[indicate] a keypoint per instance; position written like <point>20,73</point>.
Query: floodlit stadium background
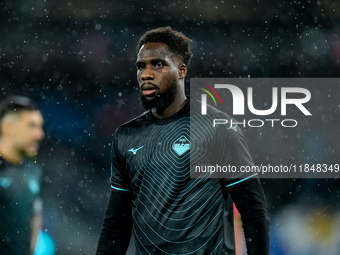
<point>76,59</point>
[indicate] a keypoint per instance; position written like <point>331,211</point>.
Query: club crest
<point>181,145</point>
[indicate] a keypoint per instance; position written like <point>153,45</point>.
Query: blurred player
<point>20,179</point>
<point>152,191</point>
<point>239,235</point>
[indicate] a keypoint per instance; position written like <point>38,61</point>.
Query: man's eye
<point>159,65</point>
<point>140,67</point>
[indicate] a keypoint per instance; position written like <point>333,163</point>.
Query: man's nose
<point>148,74</point>
<point>40,134</point>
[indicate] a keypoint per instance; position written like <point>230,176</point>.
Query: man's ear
<point>182,71</point>
<point>6,127</point>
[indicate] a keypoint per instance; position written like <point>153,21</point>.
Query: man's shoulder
<point>140,119</point>
<point>211,111</point>
<point>136,122</point>
<point>214,120</point>
<point>29,166</point>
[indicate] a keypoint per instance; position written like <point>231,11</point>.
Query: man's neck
<point>9,154</point>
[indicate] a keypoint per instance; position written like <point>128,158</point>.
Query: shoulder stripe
<point>119,188</point>
<point>234,183</point>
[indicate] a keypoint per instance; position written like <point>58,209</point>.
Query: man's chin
<point>147,102</point>
<point>159,101</point>
<point>149,98</point>
<point>31,154</point>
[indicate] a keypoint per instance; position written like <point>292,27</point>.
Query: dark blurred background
<point>76,58</point>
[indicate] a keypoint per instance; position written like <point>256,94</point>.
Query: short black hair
<point>177,42</point>
<point>16,104</point>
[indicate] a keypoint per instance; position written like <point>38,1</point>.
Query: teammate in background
<point>152,192</point>
<point>239,235</point>
<point>20,179</point>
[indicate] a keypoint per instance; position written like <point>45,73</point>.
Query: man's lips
<point>148,92</point>
<point>34,146</point>
<point>148,89</point>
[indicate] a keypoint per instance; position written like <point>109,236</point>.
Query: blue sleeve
<point>116,230</point>
<point>119,171</point>
<point>250,201</point>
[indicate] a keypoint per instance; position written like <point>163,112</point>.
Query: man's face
<point>26,132</point>
<point>157,75</point>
